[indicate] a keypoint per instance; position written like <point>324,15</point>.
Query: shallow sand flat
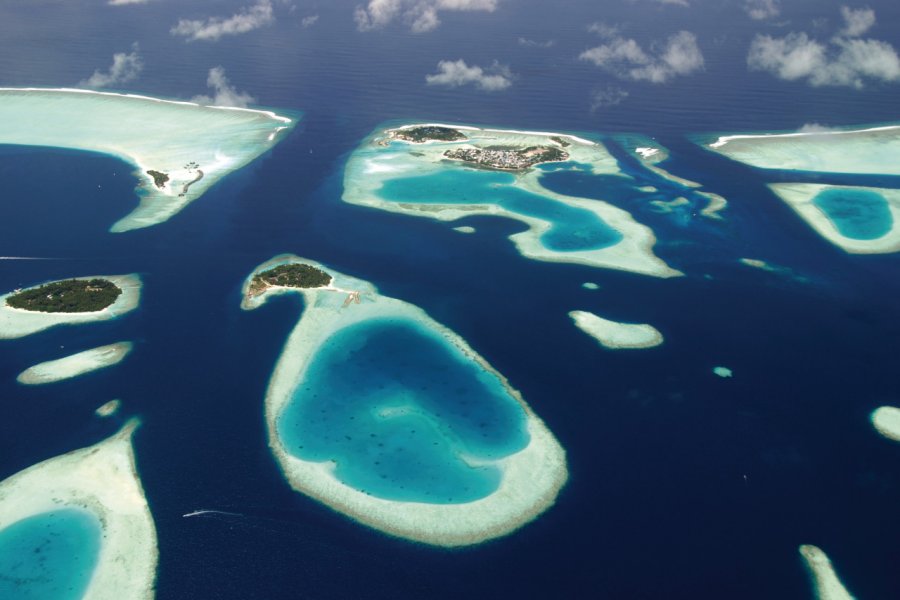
<point>75,364</point>
<point>149,133</point>
<point>103,480</point>
<point>615,335</point>
<point>531,478</point>
<point>16,323</point>
<point>865,151</point>
<point>799,196</point>
<point>886,421</point>
<point>372,164</point>
<point>825,580</point>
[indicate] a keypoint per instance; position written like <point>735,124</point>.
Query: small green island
<point>427,133</point>
<point>507,158</point>
<point>294,275</point>
<point>159,178</point>
<point>67,296</point>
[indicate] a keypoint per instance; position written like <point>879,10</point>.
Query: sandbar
<point>194,146</point>
<point>75,364</point>
<point>381,158</point>
<point>615,335</point>
<point>108,409</point>
<point>531,478</point>
<point>16,323</point>
<point>103,480</point>
<point>800,196</point>
<point>825,580</point>
<point>886,421</point>
<point>863,151</point>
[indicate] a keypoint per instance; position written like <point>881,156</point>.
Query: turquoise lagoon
<point>856,214</point>
<point>404,415</point>
<point>571,228</point>
<point>49,556</point>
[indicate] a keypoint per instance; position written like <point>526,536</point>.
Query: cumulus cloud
<point>845,60</point>
<point>457,73</point>
<point>857,22</point>
<point>309,21</point>
<point>606,97</point>
<point>420,15</point>
<point>760,10</point>
<point>815,128</point>
<point>248,19</point>
<point>125,67</point>
<point>625,58</point>
<point>225,94</point>
<point>124,2</point>
<point>678,2</point>
<point>535,43</point>
<point>605,31</point>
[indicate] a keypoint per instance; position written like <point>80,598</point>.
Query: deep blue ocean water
<point>49,556</point>
<point>401,413</point>
<point>682,484</point>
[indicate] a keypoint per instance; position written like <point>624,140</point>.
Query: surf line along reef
<point>390,418</point>
<point>78,526</point>
<point>180,149</point>
<point>450,172</point>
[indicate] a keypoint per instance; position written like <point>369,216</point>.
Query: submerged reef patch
<point>93,497</point>
<point>179,149</point>
<point>499,172</point>
<point>825,581</point>
<point>383,414</point>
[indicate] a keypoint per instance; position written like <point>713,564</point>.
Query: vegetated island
<point>165,141</point>
<point>291,275</point>
<point>98,485</point>
<point>67,296</point>
<point>530,477</point>
<point>507,158</point>
<point>427,133</point>
<point>19,322</point>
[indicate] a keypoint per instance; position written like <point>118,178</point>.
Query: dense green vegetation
<point>159,178</point>
<point>68,296</point>
<point>560,141</point>
<point>429,132</point>
<point>294,275</point>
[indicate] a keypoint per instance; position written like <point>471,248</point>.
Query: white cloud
<point>678,2</point>
<point>309,21</point>
<point>607,32</point>
<point>420,15</point>
<point>608,96</point>
<point>679,55</point>
<point>536,44</point>
<point>759,10</point>
<point>225,93</point>
<point>843,61</point>
<point>456,73</point>
<point>125,68</point>
<point>124,2</point>
<point>250,18</point>
<point>857,22</point>
<point>815,128</point>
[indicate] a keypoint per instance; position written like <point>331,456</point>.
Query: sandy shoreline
<point>75,365</point>
<point>615,335</point>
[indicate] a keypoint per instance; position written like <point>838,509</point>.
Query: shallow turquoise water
<point>50,556</point>
<point>857,214</point>
<point>572,229</point>
<point>397,408</point>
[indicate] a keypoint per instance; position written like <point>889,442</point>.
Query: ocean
<point>681,484</point>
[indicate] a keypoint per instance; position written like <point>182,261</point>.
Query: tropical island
<point>427,133</point>
<point>67,296</point>
<point>292,275</point>
<point>159,178</point>
<point>507,158</point>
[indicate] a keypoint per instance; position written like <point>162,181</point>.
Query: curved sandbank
<point>103,480</point>
<point>615,335</point>
<point>825,580</point>
<point>177,139</point>
<point>108,409</point>
<point>886,421</point>
<point>863,151</point>
<point>16,323</point>
<point>75,364</point>
<point>381,159</point>
<point>802,198</point>
<point>530,479</point>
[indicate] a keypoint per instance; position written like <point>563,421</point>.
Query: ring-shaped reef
<point>18,322</point>
<point>423,170</point>
<point>180,149</point>
<point>859,220</point>
<point>78,526</point>
<point>385,415</point>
